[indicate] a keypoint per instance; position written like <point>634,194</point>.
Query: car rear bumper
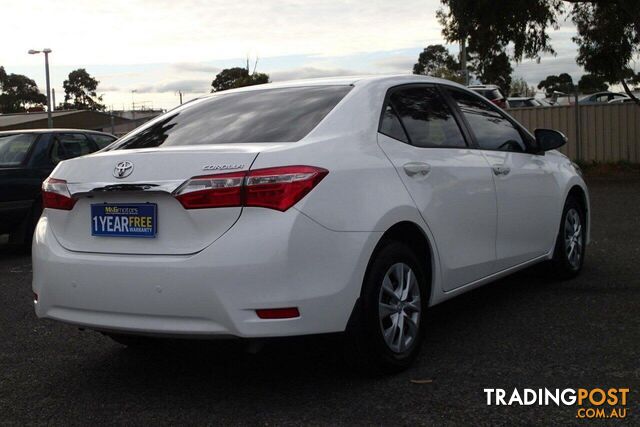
<point>268,259</point>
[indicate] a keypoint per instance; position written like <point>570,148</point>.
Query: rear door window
<point>426,117</point>
<point>66,146</point>
<point>14,148</point>
<point>269,115</point>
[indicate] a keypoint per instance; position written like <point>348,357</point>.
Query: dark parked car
<point>27,157</point>
<point>492,93</point>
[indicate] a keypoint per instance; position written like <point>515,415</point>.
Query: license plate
<point>124,220</point>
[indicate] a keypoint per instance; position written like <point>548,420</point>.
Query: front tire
<point>569,252</point>
<point>385,332</point>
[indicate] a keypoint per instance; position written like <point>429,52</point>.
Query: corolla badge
<point>123,169</point>
<point>222,167</point>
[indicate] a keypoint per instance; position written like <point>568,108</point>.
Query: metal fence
<point>606,132</point>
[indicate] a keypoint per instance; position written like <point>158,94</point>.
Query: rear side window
<point>426,117</point>
<point>14,148</point>
<point>270,115</point>
<point>69,145</point>
<point>390,125</point>
<point>492,130</point>
<point>102,140</point>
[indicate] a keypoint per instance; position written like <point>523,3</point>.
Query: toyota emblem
<point>123,169</point>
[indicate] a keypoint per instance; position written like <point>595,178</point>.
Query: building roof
<point>18,118</point>
<point>74,119</point>
<point>58,130</point>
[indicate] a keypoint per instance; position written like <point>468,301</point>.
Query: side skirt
<point>445,295</point>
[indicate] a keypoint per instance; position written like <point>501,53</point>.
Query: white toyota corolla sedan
<point>335,205</point>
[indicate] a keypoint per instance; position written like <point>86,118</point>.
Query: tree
<point>488,29</point>
<point>608,38</point>
<point>3,76</point>
<point>608,30</point>
<point>494,70</point>
<point>80,89</point>
<point>436,61</point>
<point>18,92</point>
<point>520,87</point>
<point>590,83</point>
<point>231,78</point>
<point>433,58</point>
<point>562,83</point>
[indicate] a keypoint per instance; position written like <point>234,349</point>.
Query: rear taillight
<point>55,195</point>
<point>280,188</point>
<point>274,188</point>
<point>212,191</point>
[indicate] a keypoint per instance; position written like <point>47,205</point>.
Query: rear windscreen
<point>14,148</point>
<point>270,115</point>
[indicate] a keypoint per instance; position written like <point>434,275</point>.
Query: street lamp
<point>46,52</point>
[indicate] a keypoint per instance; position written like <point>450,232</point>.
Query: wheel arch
<point>580,194</point>
<point>416,238</point>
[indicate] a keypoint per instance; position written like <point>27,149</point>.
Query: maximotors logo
<point>594,403</point>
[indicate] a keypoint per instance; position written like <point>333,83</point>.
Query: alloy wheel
<point>573,241</point>
<point>399,307</point>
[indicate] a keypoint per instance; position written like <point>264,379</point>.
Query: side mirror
<point>549,139</point>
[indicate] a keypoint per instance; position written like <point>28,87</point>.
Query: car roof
<point>54,130</point>
<point>395,79</point>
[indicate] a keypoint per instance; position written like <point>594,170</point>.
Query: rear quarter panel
<point>362,192</point>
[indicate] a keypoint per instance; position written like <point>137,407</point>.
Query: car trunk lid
<point>147,177</point>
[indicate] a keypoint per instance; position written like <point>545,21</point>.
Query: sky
<point>144,51</point>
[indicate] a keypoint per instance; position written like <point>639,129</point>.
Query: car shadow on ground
<point>188,364</point>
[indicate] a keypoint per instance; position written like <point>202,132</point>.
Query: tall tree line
<point>19,93</point>
<point>607,33</point>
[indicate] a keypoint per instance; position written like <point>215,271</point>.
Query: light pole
<point>46,52</point>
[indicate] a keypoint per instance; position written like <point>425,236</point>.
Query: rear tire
<point>569,252</point>
<point>385,331</point>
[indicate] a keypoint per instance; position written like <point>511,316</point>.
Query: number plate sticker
<point>124,220</point>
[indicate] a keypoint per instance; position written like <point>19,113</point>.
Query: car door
<point>19,183</point>
<point>450,183</point>
<point>527,193</point>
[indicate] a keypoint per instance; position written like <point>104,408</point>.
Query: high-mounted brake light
<point>55,195</point>
<point>276,188</point>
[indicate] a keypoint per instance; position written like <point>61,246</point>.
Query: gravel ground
<point>524,331</point>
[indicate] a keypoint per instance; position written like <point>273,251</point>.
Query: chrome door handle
<point>417,169</point>
<point>501,170</point>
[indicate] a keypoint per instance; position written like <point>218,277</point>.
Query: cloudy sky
<point>157,47</point>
